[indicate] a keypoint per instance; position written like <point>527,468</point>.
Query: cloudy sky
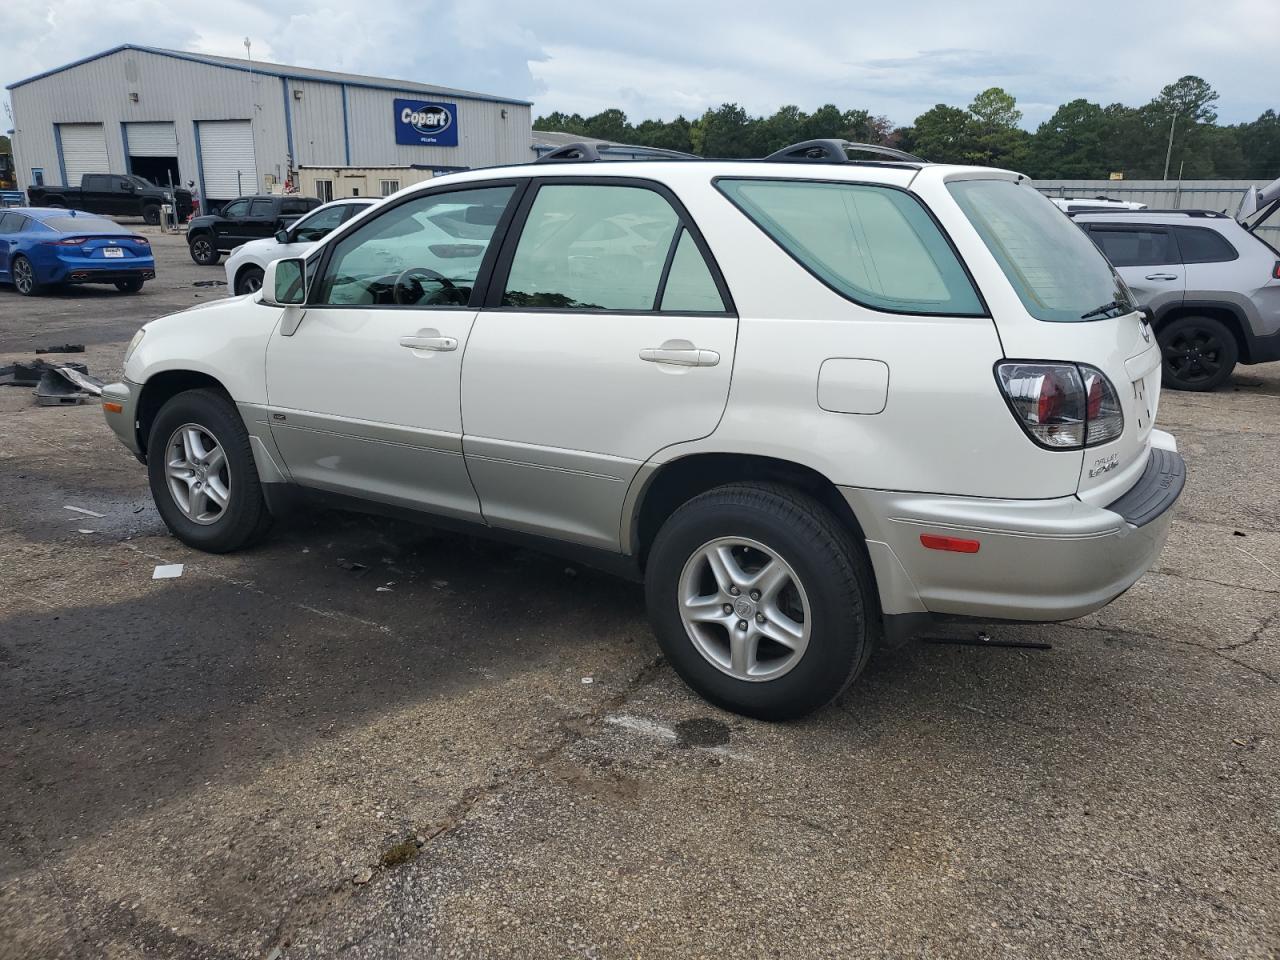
<point>663,57</point>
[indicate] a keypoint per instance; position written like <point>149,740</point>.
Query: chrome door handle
<point>438,344</point>
<point>1162,276</point>
<point>680,356</point>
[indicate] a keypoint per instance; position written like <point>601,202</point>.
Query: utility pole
<point>253,113</point>
<point>1168,153</point>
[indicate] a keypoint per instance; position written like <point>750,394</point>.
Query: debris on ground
<point>79,377</point>
<point>588,680</point>
<point>210,283</point>
<point>362,876</point>
<point>86,531</point>
<point>87,513</point>
<point>54,390</point>
<point>166,571</point>
<point>1237,533</point>
<point>24,374</point>
<point>63,348</point>
<point>984,640</point>
<point>353,565</point>
<point>402,852</point>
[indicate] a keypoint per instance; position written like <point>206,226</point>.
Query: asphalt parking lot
<point>272,757</point>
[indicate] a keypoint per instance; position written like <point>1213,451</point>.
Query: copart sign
<point>426,123</point>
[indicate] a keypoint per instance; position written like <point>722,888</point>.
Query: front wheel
<point>761,600</point>
<point>203,251</point>
<point>24,276</point>
<point>203,479</point>
<point>129,286</point>
<point>1199,353</point>
<point>151,215</point>
<point>249,280</point>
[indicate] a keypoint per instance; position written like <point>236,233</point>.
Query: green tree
<point>995,137</point>
<point>610,125</point>
<point>723,132</point>
<point>1070,144</point>
<point>1260,147</point>
<point>943,134</point>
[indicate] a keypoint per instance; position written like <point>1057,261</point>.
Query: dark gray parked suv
<point>1213,287</point>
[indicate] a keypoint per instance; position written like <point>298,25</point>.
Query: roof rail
<point>574,153</point>
<point>1120,212</point>
<point>836,151</point>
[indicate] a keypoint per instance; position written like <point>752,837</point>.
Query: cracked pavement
<point>205,767</point>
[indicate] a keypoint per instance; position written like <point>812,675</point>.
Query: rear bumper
<point>123,421</point>
<point>1038,560</point>
<point>98,270</point>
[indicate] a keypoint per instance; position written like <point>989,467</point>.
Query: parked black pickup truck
<point>114,194</point>
<point>249,218</point>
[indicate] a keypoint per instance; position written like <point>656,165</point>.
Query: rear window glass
<point>85,225</point>
<point>1202,245</point>
<point>874,245</point>
<point>1057,272</point>
<point>1135,246</point>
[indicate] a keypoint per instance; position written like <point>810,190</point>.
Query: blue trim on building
<point>204,194</point>
<point>124,141</point>
<point>288,121</point>
<point>210,62</point>
<point>346,127</point>
<point>62,161</point>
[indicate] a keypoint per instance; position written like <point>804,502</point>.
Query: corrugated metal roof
<point>285,70</point>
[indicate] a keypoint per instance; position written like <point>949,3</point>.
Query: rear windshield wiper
<point>1105,309</point>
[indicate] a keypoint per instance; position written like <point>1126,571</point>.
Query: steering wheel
<point>400,289</point>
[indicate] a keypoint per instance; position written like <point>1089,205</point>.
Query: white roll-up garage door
<point>226,159</point>
<point>152,139</point>
<point>84,150</point>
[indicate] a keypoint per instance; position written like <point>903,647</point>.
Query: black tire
<point>23,275</point>
<point>249,280</point>
<point>151,214</point>
<point>1199,353</point>
<point>246,519</point>
<point>826,560</point>
<point>203,250</point>
<point>129,286</point>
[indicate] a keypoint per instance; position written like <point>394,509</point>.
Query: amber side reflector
<point>954,544</point>
<point>110,407</point>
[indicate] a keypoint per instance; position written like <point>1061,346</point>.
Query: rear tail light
<point>142,240</point>
<point>1062,406</point>
<point>1275,271</point>
<point>71,241</point>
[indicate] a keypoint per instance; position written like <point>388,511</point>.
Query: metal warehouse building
<point>239,126</point>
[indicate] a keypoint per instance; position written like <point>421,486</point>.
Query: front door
<point>363,393</point>
<point>1146,256</point>
<point>228,227</point>
<point>606,336</point>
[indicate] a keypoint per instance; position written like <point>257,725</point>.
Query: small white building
<point>235,126</point>
<point>330,183</point>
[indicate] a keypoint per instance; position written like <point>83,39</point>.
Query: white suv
<point>812,402</point>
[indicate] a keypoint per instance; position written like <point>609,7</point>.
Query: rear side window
<point>1056,271</point>
<point>260,208</point>
<point>293,206</point>
<point>1202,245</point>
<point>874,245</point>
<point>1135,246</point>
<point>604,247</point>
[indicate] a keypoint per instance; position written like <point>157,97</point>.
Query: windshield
<point>86,225</point>
<point>1057,272</point>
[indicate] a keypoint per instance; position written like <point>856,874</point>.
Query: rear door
<point>1147,257</point>
<point>10,226</point>
<point>607,335</point>
<point>260,221</point>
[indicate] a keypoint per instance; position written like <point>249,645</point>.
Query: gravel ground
<point>269,757</point>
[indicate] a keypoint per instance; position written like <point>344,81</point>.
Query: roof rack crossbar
<point>574,153</point>
<point>836,151</point>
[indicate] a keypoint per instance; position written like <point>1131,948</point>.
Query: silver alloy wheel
<point>23,278</point>
<point>198,474</point>
<point>203,249</point>
<point>251,282</point>
<point>744,608</point>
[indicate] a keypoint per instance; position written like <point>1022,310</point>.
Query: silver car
<point>1211,282</point>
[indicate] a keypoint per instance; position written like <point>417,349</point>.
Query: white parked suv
<point>813,402</point>
<point>248,262</point>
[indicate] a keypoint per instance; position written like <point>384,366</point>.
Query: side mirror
<point>284,284</point>
<point>282,235</point>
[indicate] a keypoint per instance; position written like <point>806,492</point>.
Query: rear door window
<point>874,245</point>
<point>1136,246</point>
<point>261,208</point>
<point>1202,245</point>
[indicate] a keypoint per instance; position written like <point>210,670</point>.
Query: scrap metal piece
<point>54,390</point>
<point>63,348</point>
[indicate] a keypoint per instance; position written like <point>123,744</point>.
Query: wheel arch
<point>666,486</point>
<point>1229,314</point>
<point>162,387</point>
<point>242,270</point>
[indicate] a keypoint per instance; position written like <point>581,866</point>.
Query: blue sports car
<point>42,247</point>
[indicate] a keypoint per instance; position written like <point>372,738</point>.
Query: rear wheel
<point>761,600</point>
<point>24,276</point>
<point>129,286</point>
<point>151,214</point>
<point>1199,353</point>
<point>249,280</point>
<point>203,251</point>
<point>203,480</point>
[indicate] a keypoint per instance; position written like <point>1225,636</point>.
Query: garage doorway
<point>83,149</point>
<point>227,163</point>
<point>152,149</point>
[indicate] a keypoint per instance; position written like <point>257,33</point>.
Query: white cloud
<point>663,57</point>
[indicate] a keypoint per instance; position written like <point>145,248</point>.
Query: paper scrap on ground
<point>166,571</point>
<point>82,530</point>
<point>87,513</point>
